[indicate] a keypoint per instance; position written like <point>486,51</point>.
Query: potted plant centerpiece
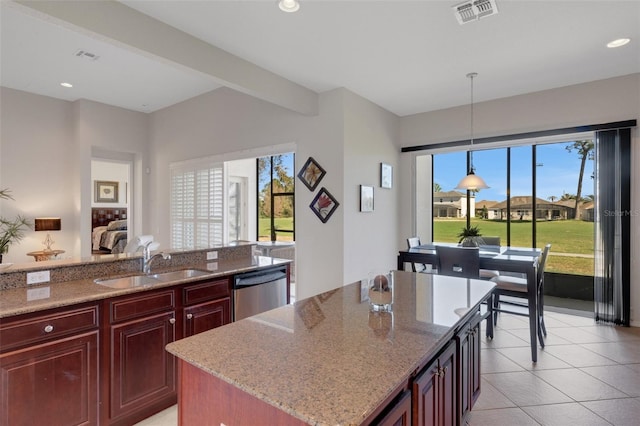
<point>11,231</point>
<point>470,237</point>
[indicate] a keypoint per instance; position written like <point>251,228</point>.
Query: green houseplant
<point>11,231</point>
<point>470,236</point>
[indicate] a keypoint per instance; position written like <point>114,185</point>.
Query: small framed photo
<point>323,205</point>
<point>311,174</point>
<point>366,198</point>
<point>105,191</point>
<point>386,176</point>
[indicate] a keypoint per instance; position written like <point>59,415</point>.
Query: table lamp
<point>48,224</point>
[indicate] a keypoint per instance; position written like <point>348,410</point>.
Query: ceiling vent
<point>86,55</point>
<point>474,10</point>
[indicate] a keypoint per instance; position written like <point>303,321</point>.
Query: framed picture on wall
<point>366,198</point>
<point>386,176</point>
<point>106,191</point>
<point>311,174</point>
<point>323,205</point>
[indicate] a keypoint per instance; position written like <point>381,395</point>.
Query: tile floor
<point>588,374</point>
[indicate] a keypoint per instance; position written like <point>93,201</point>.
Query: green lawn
<point>264,228</point>
<point>565,236</point>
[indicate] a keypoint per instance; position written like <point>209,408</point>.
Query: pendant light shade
<point>289,5</point>
<point>472,182</point>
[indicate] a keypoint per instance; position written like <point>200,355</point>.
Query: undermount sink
<point>128,282</point>
<point>149,280</point>
<point>180,275</point>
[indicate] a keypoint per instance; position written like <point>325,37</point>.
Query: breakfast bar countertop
<point>33,298</point>
<point>329,360</point>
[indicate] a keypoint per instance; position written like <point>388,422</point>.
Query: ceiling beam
<point>127,28</point>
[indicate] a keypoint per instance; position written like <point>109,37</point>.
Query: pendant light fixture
<point>472,182</point>
<point>289,5</point>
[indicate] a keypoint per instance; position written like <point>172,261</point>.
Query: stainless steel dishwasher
<point>259,291</point>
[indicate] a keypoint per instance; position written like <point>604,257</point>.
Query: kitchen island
<point>329,360</point>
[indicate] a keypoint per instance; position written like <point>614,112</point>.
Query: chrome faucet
<point>148,259</point>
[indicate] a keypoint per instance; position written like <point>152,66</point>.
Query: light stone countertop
<point>328,360</point>
<point>35,298</point>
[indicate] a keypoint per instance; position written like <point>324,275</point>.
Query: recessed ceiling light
<point>619,42</point>
<point>66,84</point>
<point>289,5</point>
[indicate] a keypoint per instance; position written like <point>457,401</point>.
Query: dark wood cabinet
<point>207,306</point>
<point>434,391</point>
<point>400,412</point>
<point>206,316</point>
<point>468,368</point>
<point>49,368</point>
<point>142,374</point>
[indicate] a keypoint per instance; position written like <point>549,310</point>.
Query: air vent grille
<point>474,10</point>
<point>86,55</point>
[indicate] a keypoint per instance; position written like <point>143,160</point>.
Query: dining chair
<point>517,287</point>
<point>490,241</point>
<point>459,261</point>
<point>416,267</point>
<point>487,274</point>
<point>464,262</point>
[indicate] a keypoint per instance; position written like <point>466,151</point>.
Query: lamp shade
<point>472,182</point>
<point>48,224</point>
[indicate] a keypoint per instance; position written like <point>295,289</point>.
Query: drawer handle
<point>48,328</point>
<point>172,321</point>
<point>189,316</point>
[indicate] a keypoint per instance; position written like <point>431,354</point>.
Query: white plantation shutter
<point>197,205</point>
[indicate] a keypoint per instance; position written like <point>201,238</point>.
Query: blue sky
<point>557,171</point>
<point>287,164</point>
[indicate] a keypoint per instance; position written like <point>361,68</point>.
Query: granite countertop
<point>35,298</point>
<point>328,360</point>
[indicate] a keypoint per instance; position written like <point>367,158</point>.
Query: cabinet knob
<point>48,329</point>
<point>172,321</point>
<point>189,316</point>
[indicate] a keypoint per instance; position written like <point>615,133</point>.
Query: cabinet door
<point>435,391</point>
<point>142,371</point>
<point>448,389</point>
<point>464,377</point>
<point>425,394</point>
<point>51,384</point>
<point>474,363</point>
<point>206,316</point>
<point>400,414</point>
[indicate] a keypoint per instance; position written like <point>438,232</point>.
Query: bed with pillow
<point>109,230</point>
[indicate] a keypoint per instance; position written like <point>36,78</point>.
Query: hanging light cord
<point>471,75</point>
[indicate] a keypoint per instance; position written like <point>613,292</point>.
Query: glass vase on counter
<point>381,292</point>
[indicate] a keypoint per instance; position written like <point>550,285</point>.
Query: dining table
<point>523,260</point>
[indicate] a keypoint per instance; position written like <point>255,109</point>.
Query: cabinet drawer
<point>203,292</point>
<point>144,304</point>
<point>44,327</point>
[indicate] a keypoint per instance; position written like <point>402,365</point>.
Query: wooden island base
<point>330,360</point>
<point>199,403</point>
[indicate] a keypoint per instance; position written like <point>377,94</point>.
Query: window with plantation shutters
<point>197,205</point>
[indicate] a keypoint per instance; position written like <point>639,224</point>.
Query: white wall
<point>46,149</point>
<point>38,166</point>
<point>371,136</point>
<point>224,121</point>
<point>347,127</point>
<point>111,172</point>
<point>115,132</point>
<point>604,101</point>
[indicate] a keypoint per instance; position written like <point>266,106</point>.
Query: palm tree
<point>585,151</point>
<point>437,187</point>
<point>552,198</point>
